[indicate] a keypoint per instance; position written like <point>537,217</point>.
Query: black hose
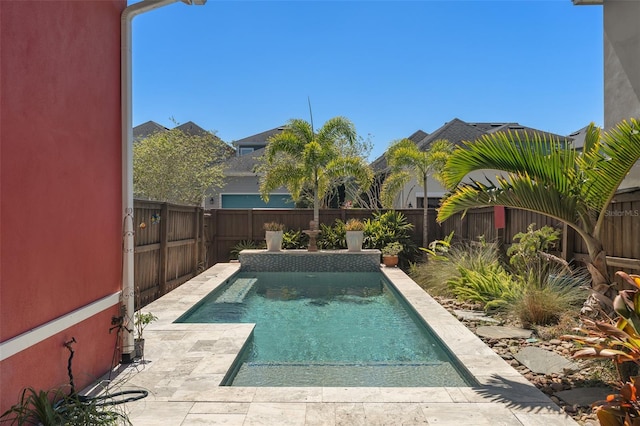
<point>107,399</point>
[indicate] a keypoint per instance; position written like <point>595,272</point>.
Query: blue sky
<point>392,67</point>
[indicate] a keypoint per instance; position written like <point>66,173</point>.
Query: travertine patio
<point>186,362</point>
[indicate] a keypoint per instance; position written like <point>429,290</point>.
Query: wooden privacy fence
<point>227,227</point>
<point>169,247</point>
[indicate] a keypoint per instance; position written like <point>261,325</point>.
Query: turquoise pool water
<point>327,329</point>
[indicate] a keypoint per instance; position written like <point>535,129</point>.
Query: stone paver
<point>473,316</point>
<point>542,361</point>
<point>584,396</point>
<point>503,332</point>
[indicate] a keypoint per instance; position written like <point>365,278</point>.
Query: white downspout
<point>128,289</point>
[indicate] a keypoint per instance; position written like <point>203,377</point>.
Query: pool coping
<point>185,364</point>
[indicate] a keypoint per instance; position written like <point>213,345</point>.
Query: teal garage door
<point>253,201</point>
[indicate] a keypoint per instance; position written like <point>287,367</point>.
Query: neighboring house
<point>621,45</point>
<point>455,131</point>
<point>242,183</point>
<point>149,128</point>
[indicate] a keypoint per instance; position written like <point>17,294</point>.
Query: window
<point>246,150</point>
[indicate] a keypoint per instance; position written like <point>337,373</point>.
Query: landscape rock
<point>584,396</point>
<point>503,332</point>
<point>543,361</point>
<point>474,316</point>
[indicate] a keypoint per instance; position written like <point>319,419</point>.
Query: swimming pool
<point>327,329</point>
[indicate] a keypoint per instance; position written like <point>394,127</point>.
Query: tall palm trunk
<point>425,213</point>
<point>597,266</point>
<point>316,203</point>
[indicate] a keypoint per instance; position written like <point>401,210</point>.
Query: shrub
<point>528,245</point>
<point>549,290</point>
<point>447,274</point>
<point>438,249</point>
<point>388,227</point>
<point>332,238</point>
<point>244,245</point>
<point>55,407</point>
<point>294,239</point>
<point>493,287</point>
<point>434,275</point>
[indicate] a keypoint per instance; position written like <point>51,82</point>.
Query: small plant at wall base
<point>141,322</point>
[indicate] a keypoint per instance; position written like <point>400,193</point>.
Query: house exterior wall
<point>60,177</point>
<point>621,61</point>
<point>622,68</point>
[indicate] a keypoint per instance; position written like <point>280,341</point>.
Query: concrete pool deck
<point>186,362</point>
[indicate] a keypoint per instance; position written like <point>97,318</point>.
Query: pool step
<point>416,374</point>
<point>237,291</point>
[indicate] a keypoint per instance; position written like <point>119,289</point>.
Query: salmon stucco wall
<point>60,177</point>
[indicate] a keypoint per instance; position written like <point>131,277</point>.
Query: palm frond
<point>350,168</point>
<point>392,185</point>
<point>621,149</point>
<point>541,157</point>
<point>337,129</point>
<point>519,191</point>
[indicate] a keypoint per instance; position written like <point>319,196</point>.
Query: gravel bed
<point>592,373</point>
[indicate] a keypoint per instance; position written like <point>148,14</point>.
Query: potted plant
<point>140,322</point>
<point>273,235</point>
<point>390,253</point>
<point>354,234</point>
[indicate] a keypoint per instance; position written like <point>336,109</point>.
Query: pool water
<point>327,329</point>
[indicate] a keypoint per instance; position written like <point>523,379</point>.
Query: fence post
<point>164,251</point>
<point>196,231</point>
<point>203,252</point>
<point>213,233</point>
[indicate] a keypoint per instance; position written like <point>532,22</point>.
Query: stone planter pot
<point>354,240</point>
<point>274,240</point>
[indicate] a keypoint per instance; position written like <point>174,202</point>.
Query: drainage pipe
<point>128,289</point>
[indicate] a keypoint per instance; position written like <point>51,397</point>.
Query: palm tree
<point>300,158</point>
<point>572,186</point>
<point>406,161</point>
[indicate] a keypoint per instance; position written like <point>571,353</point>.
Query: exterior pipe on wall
<point>128,289</point>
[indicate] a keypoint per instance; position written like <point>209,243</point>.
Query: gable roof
<point>259,138</point>
<point>244,164</point>
<point>455,131</point>
<point>147,129</point>
<point>192,129</point>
